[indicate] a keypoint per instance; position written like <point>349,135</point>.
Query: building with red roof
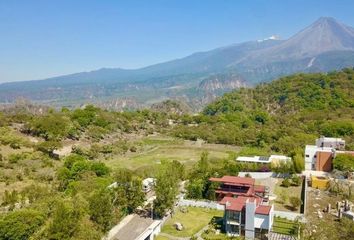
<point>238,186</point>
<point>246,207</point>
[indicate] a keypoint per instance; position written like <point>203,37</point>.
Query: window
<point>307,155</point>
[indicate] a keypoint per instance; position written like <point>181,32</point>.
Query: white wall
<point>250,220</point>
<point>310,151</point>
<point>198,203</point>
<point>257,175</point>
<point>261,221</point>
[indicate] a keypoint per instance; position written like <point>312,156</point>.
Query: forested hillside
<point>280,116</point>
<point>55,165</point>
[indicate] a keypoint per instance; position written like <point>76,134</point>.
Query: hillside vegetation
<point>49,195</point>
<point>281,116</point>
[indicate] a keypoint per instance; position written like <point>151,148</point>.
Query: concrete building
<point>247,212</point>
<point>319,158</point>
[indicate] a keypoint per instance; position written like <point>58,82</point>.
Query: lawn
<point>154,150</point>
<point>193,221</point>
<point>161,238</point>
<point>284,226</point>
<point>292,191</point>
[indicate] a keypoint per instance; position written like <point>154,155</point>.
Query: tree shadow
<point>290,208</point>
<point>217,223</point>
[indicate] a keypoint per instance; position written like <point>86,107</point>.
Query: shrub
<point>21,224</point>
<point>344,162</point>
<point>296,180</point>
<point>295,202</point>
<point>286,183</point>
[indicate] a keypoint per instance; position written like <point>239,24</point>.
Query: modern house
<point>274,159</point>
<point>231,186</point>
<point>319,157</point>
<point>247,212</point>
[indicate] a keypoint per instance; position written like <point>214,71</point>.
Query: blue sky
<point>45,38</point>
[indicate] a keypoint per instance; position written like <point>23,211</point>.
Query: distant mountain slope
<point>280,116</point>
<point>291,94</point>
<point>324,45</point>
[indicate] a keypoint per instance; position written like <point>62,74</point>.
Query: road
<point>133,229</point>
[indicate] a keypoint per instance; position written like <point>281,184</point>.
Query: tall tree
<point>166,188</point>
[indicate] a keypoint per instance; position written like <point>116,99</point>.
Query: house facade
<point>247,212</point>
<point>319,158</point>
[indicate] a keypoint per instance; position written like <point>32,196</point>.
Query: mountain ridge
<point>324,45</point>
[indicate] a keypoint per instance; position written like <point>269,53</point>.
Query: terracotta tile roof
<point>263,209</point>
<point>234,180</point>
<point>237,204</point>
<point>259,188</point>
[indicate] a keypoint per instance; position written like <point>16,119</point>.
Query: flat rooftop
<point>262,159</point>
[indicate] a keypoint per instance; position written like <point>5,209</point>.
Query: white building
<point>261,159</point>
<point>319,157</point>
<point>336,143</point>
<point>249,215</point>
<point>312,156</point>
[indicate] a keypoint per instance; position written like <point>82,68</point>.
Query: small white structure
<point>326,142</point>
<point>261,159</point>
<point>148,184</point>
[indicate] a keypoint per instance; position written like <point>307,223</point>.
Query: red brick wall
<point>324,161</point>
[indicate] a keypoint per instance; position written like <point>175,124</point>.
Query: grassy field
<point>153,150</point>
<point>193,221</point>
<point>292,191</point>
<point>161,238</point>
<point>284,226</point>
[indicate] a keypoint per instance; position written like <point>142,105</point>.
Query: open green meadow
<point>154,150</point>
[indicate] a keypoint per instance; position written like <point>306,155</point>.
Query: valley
<point>63,160</point>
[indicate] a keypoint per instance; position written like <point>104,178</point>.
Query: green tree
<point>53,126</point>
<point>20,225</point>
<point>195,189</point>
<point>101,208</point>
<point>166,189</point>
<point>64,222</point>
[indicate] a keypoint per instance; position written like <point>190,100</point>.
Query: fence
<point>203,204</point>
<point>303,195</point>
<point>257,175</point>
